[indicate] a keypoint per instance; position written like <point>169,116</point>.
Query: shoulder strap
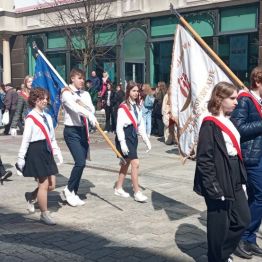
<point>39,124</point>
<point>257,105</point>
<point>127,111</point>
<point>227,131</point>
<point>24,95</point>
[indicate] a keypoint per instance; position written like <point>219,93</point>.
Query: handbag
<point>5,118</point>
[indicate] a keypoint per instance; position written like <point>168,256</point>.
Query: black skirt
<point>131,142</point>
<point>39,162</point>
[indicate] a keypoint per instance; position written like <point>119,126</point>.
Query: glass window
<point>162,56</point>
<point>56,40</point>
<point>58,60</point>
<point>237,19</point>
<point>241,57</point>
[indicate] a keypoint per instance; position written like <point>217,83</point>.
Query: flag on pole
<point>46,78</point>
<point>192,79</point>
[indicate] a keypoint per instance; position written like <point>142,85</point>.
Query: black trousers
<point>226,222</point>
<point>110,119</point>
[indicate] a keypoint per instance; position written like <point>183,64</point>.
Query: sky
<point>25,3</point>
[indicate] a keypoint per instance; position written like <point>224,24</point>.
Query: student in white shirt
<point>37,151</point>
<point>78,109</point>
<point>129,125</point>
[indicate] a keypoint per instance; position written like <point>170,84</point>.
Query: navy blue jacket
<point>248,122</point>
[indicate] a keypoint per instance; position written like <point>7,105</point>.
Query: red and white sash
<point>227,131</point>
<point>257,105</point>
<point>39,124</point>
<point>24,95</point>
<point>127,111</point>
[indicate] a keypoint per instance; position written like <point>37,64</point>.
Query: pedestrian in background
<point>2,105</point>
<point>22,108</point>
<point>95,87</point>
<point>247,118</point>
<point>160,92</point>
<point>168,120</point>
<point>118,99</point>
<point>147,107</point>
<point>109,98</point>
<point>37,151</point>
<point>10,102</point>
<point>219,175</point>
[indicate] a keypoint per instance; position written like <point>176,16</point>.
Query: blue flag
<point>45,78</point>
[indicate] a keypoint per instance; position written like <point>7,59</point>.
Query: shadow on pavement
<point>174,209</point>
<point>24,239</point>
<point>192,241</point>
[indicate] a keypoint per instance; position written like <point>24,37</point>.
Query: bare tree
<point>85,23</point>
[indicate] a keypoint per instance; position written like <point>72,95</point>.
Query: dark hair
<point>77,71</point>
<point>129,87</point>
<point>37,93</point>
<point>255,77</point>
<point>221,91</point>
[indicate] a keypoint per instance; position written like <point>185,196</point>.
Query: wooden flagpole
<point>217,59</point>
<point>122,160</point>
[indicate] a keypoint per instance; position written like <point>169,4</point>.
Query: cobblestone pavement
<point>169,227</point>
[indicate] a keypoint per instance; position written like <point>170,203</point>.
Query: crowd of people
<point>228,170</point>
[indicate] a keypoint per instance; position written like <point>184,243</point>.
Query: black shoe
<point>242,250</point>
<point>7,174</point>
<point>255,249</point>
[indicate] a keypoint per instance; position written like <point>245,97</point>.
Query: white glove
<point>59,157</point>
<point>124,148</point>
<point>92,119</point>
<point>13,132</point>
<point>148,144</point>
<point>21,163</point>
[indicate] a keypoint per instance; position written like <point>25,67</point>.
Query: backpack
<point>149,101</point>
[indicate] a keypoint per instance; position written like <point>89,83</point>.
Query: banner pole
<point>122,160</point>
<point>217,59</point>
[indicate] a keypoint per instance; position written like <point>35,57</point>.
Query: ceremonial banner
<point>193,76</point>
<point>46,78</point>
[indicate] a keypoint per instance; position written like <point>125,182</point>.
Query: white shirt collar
<point>255,95</point>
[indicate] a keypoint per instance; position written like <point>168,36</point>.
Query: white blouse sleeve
<point>142,130</point>
<point>52,136</point>
<point>121,115</point>
<point>27,135</point>
<point>68,101</point>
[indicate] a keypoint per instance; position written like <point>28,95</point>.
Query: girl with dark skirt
<point>37,151</point>
<point>220,174</point>
<point>129,125</point>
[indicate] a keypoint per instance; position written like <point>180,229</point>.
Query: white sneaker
<point>70,197</point>
<point>121,192</point>
<point>30,202</point>
<point>46,218</point>
<point>79,202</point>
<point>140,197</point>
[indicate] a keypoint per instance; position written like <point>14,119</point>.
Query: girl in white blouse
<point>129,125</point>
<point>37,151</point>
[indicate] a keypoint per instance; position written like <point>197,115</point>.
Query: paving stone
<point>171,226</point>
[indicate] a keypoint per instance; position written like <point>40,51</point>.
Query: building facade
<point>141,38</point>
